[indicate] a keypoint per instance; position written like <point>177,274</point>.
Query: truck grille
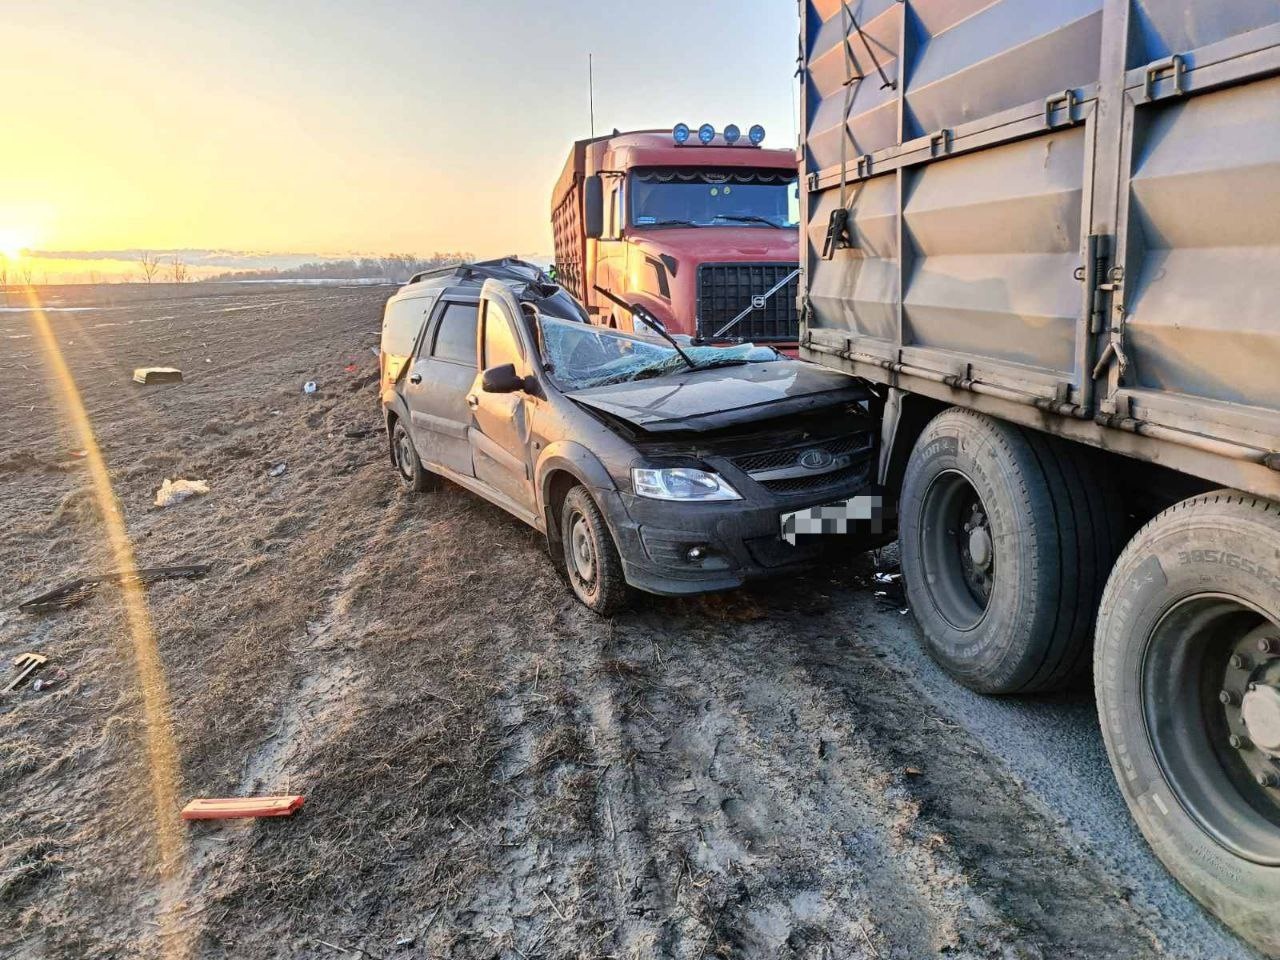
<point>726,289</point>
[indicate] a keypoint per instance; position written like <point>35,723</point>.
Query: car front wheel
<point>590,557</point>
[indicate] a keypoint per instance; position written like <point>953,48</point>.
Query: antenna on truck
<point>591,95</point>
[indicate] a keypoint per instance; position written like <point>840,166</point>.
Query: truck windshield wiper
<point>749,218</point>
<point>673,223</point>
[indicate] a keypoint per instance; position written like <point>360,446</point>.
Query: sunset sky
<point>331,128</point>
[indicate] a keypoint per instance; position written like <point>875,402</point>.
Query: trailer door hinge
<point>1097,257</point>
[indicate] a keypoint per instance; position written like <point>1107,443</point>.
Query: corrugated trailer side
<point>1050,233</point>
<point>1062,207</point>
<point>567,224</point>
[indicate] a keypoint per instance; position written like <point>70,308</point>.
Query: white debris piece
<point>175,491</point>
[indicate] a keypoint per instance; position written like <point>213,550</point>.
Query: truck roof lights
<point>731,134</point>
<point>756,134</point>
<point>680,133</point>
<point>706,133</point>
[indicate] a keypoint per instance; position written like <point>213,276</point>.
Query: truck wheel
<point>1187,675</point>
<point>590,557</point>
<point>412,473</point>
<point>1007,537</point>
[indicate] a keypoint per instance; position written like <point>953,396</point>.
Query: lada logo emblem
<point>815,459</point>
<point>759,302</point>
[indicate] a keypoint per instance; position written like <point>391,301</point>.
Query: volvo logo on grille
<point>758,302</point>
<point>815,459</point>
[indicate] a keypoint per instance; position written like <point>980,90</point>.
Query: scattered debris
<point>26,664</point>
<point>79,454</point>
<point>235,808</point>
<point>175,491</point>
<point>359,433</point>
<point>278,469</point>
<point>150,375</point>
<point>309,387</point>
<point>47,683</point>
<point>351,367</point>
<point>912,771</point>
<point>77,591</point>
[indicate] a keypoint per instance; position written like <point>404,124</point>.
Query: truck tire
<point>591,559</point>
<point>1187,675</point>
<point>1007,537</point>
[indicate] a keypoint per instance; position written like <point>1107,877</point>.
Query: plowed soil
<point>490,771</point>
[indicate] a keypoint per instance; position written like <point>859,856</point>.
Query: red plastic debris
<point>240,807</point>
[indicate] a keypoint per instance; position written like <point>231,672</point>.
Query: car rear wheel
<point>1007,537</point>
<point>1187,676</point>
<point>590,556</point>
<point>413,475</point>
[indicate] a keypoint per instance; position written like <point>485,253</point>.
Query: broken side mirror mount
<point>502,379</point>
<point>593,206</point>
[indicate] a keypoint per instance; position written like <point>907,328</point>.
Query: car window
<point>403,320</point>
<point>456,334</point>
<point>500,345</point>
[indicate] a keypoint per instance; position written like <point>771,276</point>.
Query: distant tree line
<point>395,267</point>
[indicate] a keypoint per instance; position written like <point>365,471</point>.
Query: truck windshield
<point>707,197</point>
<point>580,356</point>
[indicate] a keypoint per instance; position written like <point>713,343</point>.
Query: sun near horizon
<point>242,128</point>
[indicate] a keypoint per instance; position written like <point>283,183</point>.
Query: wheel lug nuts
<point>1240,662</point>
<point>1268,780</point>
<point>1227,698</point>
<point>1238,742</point>
<point>1266,645</point>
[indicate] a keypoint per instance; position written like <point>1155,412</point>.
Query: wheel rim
<point>1211,704</point>
<point>582,551</point>
<point>404,454</point>
<point>957,550</point>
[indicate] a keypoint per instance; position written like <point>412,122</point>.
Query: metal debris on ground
<point>48,683</point>
<point>278,469</point>
<point>236,808</point>
<point>359,433</point>
<point>77,591</point>
<point>175,491</point>
<point>25,664</point>
<point>150,375</point>
<point>309,387</point>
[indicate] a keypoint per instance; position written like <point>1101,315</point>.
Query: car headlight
<point>681,483</point>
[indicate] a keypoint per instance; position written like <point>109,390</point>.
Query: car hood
<point>724,396</point>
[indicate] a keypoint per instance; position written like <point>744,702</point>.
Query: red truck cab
<point>700,235</point>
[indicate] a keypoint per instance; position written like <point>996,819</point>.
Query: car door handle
<point>415,378</point>
<point>473,401</point>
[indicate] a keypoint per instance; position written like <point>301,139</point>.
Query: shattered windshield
<point>580,356</point>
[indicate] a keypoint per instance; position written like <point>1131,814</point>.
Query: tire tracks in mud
<point>759,791</point>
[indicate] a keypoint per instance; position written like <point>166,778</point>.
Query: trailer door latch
<point>837,233</point>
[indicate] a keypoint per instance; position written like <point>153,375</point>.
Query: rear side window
<point>456,335</point>
<point>401,326</point>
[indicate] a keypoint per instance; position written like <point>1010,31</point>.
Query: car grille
<point>726,289</point>
<point>814,481</point>
<point>787,457</point>
<point>782,470</point>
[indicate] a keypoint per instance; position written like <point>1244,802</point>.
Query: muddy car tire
<point>591,560</point>
<point>413,475</point>
<point>1189,631</point>
<point>1007,537</point>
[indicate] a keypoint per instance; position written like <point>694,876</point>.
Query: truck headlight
<point>681,483</point>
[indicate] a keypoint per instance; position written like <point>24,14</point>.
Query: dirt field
<point>489,770</point>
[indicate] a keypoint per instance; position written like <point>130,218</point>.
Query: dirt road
<point>490,771</point>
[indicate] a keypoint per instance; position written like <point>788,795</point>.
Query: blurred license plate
<point>843,516</point>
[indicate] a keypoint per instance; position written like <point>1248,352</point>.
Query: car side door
<point>439,381</point>
<point>500,428</point>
